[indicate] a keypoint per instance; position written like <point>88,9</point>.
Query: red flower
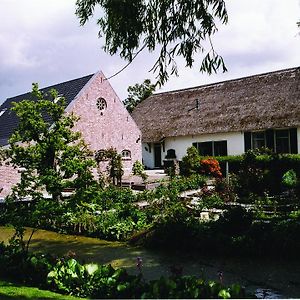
<point>211,166</point>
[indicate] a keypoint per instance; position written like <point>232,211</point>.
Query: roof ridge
<point>50,86</point>
<point>228,80</point>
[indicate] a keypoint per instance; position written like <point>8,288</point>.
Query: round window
<point>101,104</point>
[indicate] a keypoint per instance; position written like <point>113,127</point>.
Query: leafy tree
<point>114,166</point>
<point>173,27</point>
<point>50,154</point>
<point>137,93</point>
<point>138,170</point>
<point>2,155</point>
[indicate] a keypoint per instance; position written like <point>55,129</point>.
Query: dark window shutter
<point>270,139</point>
<point>247,140</point>
<point>294,140</point>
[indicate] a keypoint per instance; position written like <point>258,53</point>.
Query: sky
<point>42,41</point>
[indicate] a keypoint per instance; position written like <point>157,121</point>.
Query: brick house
<point>104,122</point>
<point>224,118</point>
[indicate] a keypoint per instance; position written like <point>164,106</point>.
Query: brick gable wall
<point>9,176</point>
<point>112,127</point>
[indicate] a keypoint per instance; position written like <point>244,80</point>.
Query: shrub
<point>225,189</point>
<point>210,166</point>
<point>257,172</point>
<point>211,201</point>
<point>235,221</point>
<point>289,179</point>
<point>138,169</point>
<point>191,162</point>
<point>112,195</point>
<point>187,183</point>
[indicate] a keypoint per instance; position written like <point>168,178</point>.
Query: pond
<point>265,278</point>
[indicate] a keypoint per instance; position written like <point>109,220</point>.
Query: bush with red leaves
<point>210,166</point>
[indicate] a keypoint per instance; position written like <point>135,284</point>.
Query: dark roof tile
<point>9,120</point>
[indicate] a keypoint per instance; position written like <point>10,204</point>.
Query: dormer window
<point>3,111</point>
<point>58,98</point>
<point>101,104</point>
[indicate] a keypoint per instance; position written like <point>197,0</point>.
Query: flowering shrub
<point>210,166</point>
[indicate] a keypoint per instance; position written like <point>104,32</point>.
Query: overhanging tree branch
<point>176,27</point>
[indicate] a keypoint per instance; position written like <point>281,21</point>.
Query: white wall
<point>148,157</point>
<point>235,142</point>
<point>235,145</point>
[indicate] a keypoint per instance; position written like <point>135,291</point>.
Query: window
<point>100,155</point>
<point>258,139</point>
<point>220,148</point>
<point>126,154</point>
<point>58,98</point>
<point>278,140</point>
<point>3,111</point>
<point>101,104</point>
<point>282,141</point>
<point>213,148</point>
<point>205,148</point>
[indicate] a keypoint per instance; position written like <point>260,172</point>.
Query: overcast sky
<point>41,41</point>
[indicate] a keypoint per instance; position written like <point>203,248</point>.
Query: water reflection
<point>267,294</point>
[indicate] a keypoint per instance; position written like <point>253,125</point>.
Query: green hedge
<point>283,162</point>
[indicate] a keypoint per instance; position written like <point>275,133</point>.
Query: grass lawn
<point>10,290</point>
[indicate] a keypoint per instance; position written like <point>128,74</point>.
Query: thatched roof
<point>270,100</point>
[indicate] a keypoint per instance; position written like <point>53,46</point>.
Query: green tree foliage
<point>2,155</point>
<point>115,166</point>
<point>50,154</point>
<point>138,170</point>
<point>190,162</point>
<point>137,93</point>
<point>171,27</point>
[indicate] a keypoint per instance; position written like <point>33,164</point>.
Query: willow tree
<point>171,27</point>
